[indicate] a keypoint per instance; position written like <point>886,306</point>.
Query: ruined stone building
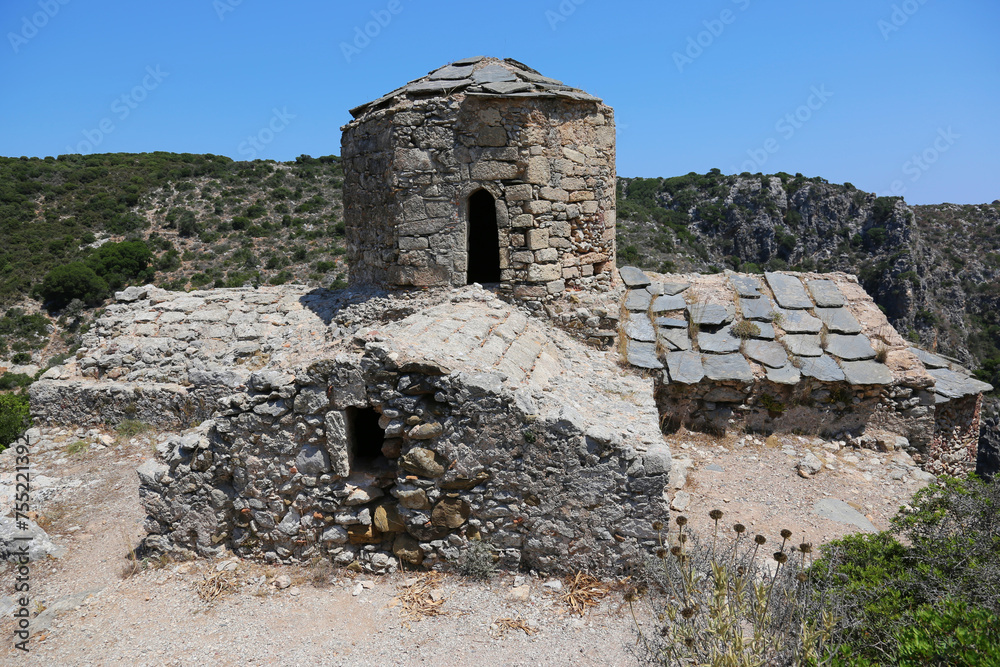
<point>482,171</point>
<point>387,428</point>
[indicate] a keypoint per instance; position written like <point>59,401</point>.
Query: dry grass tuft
<point>418,600</point>
<point>583,591</point>
<point>216,585</point>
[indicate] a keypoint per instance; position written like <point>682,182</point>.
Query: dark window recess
<point>364,437</point>
<point>484,239</point>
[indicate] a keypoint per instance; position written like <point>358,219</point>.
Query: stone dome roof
<point>489,77</point>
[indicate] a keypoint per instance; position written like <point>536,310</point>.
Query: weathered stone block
<point>544,273</point>
<point>488,170</point>
<point>525,220</point>
<point>492,136</point>
<point>412,242</point>
<point>537,239</point>
<point>538,171</point>
<point>518,193</point>
<point>555,194</point>
<point>539,207</point>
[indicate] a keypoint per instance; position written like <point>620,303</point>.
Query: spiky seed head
<point>681,520</point>
<point>806,547</point>
<point>785,533</point>
<point>760,539</point>
<point>689,641</point>
<point>801,576</point>
<point>780,556</point>
<point>682,538</point>
<point>741,570</point>
<point>661,553</point>
<point>675,550</point>
<point>740,528</point>
<point>631,595</point>
<point>715,515</point>
<point>657,526</point>
<point>688,612</point>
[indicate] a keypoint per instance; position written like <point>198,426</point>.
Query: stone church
<point>482,171</point>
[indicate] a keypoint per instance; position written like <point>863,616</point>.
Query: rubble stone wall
<point>275,473</point>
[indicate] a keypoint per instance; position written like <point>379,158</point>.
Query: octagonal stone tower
<point>482,171</point>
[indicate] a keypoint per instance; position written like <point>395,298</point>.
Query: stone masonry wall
<point>465,458</point>
<point>549,164</point>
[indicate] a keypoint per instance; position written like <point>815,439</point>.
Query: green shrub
<point>15,418</point>
<point>10,381</point>
<point>71,281</point>
<point>478,561</point>
<point>893,596</point>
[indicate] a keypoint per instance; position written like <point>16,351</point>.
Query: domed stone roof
<point>490,77</point>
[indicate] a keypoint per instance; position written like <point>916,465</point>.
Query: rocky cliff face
<point>933,270</point>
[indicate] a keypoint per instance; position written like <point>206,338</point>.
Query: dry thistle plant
<point>720,605</point>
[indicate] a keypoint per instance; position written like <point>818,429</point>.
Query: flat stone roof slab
<point>671,289</point>
<point>643,355</point>
<point>849,348</point>
<point>722,342</point>
<point>757,309</point>
<point>668,302</point>
<point>787,374</point>
<point>633,277</point>
<point>838,320</point>
<point>951,385</point>
<point>866,372</point>
<point>638,299</point>
<point>710,314</point>
<point>640,328</point>
<point>671,323</point>
<point>799,322</point>
<point>675,339</point>
<point>803,345</point>
<point>766,352</point>
<point>825,293</point>
<point>824,368</point>
<point>747,287</point>
<point>685,367</point>
<point>727,367</point>
<point>788,291</point>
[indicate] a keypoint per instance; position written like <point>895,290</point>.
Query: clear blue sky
<point>880,93</point>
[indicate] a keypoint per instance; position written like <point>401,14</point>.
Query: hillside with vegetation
<point>78,227</point>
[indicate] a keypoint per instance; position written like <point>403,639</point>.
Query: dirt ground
<point>94,608</point>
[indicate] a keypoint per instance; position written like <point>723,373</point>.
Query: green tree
<point>15,417</point>
<point>71,281</point>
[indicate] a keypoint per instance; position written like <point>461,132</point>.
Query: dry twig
<point>417,601</point>
<point>213,586</point>
<point>584,591</point>
<point>504,625</point>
